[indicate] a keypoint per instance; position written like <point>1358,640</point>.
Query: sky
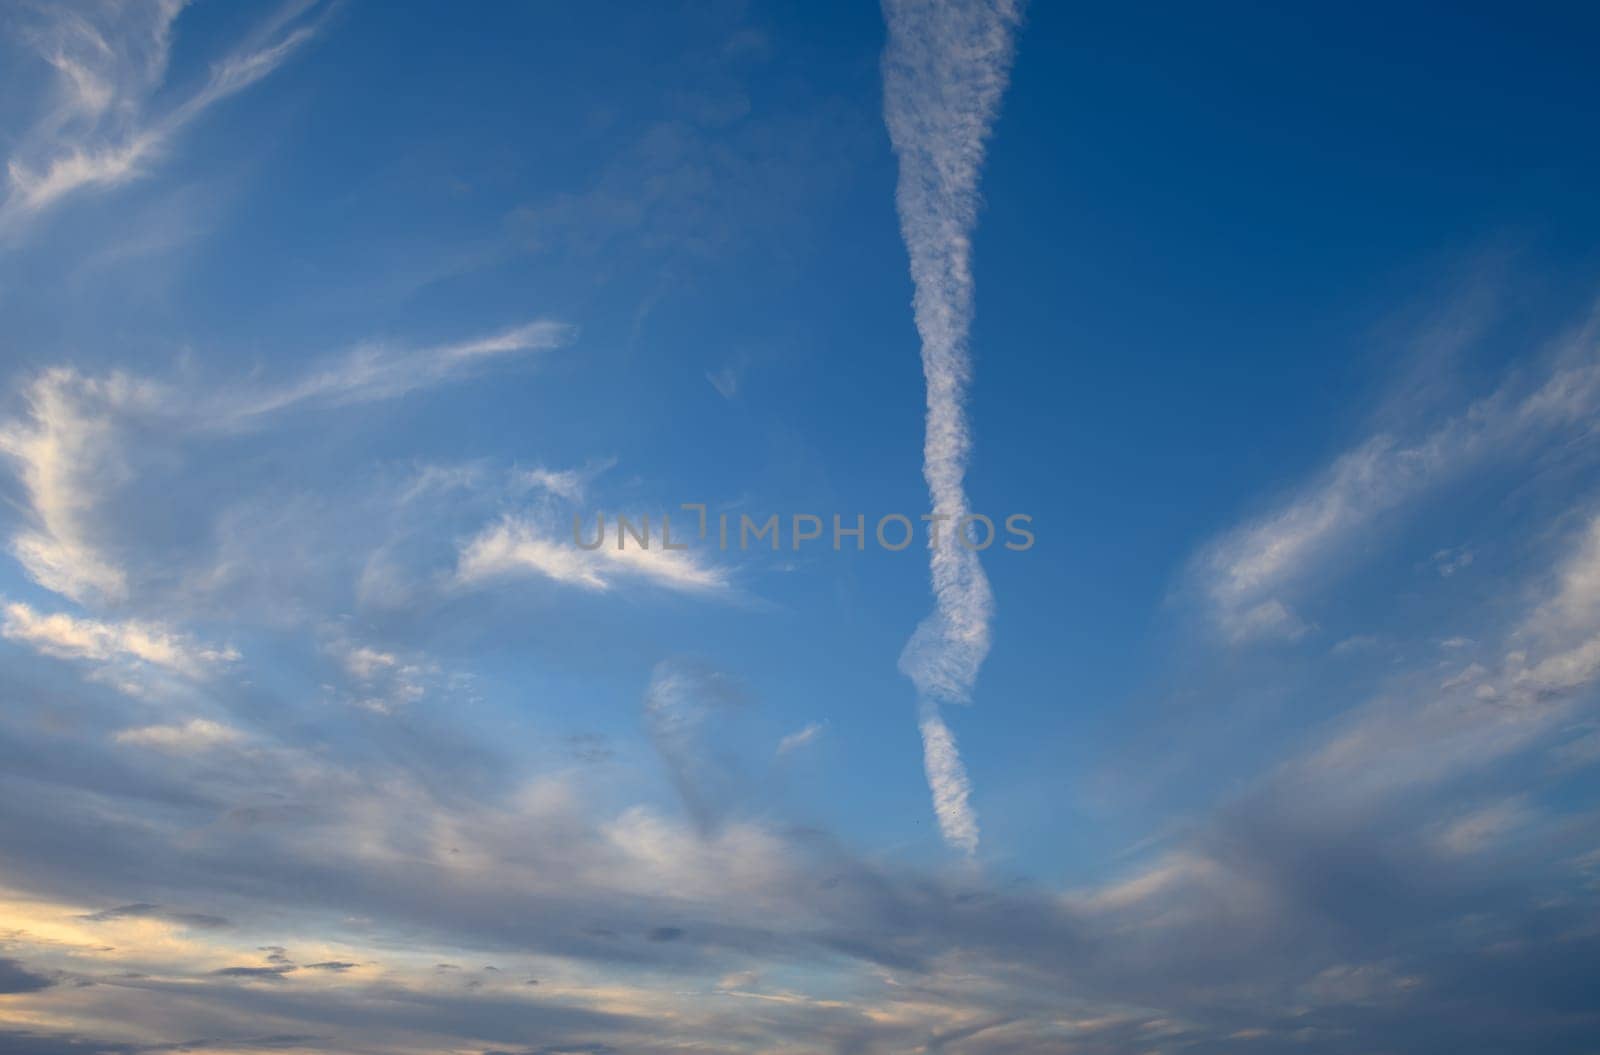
<point>322,322</point>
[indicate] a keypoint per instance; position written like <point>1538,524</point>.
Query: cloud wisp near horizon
<point>321,733</point>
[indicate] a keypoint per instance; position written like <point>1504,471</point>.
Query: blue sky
<point>320,321</point>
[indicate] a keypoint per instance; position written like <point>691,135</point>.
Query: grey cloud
<point>1310,909</point>
<point>685,709</point>
<point>269,1041</point>
<point>28,1042</point>
<point>1291,892</point>
<point>143,910</point>
<point>1289,882</point>
<point>15,978</point>
<point>590,747</point>
<point>273,974</point>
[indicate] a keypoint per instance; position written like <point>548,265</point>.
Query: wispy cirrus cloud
<point>524,545</point>
<point>71,448</point>
<point>945,70</point>
<point>377,371</point>
<point>67,454</point>
<point>111,643</point>
<point>1248,576</point>
<point>195,735</point>
<point>801,738</point>
<point>110,63</point>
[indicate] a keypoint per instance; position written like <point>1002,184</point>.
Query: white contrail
<point>944,71</point>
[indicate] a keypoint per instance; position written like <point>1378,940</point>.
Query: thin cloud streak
<point>520,545</point>
<point>374,371</point>
<point>801,738</point>
<point>67,637</point>
<point>195,735</point>
<point>944,70</point>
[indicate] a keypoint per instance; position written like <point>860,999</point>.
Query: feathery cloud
<point>195,735</point>
<point>375,371</point>
<point>519,545</point>
<point>71,449</point>
<point>67,454</point>
<point>68,637</point>
<point>109,64</point>
<point>1246,574</point>
<point>944,71</point>
<point>1547,663</point>
<point>801,738</point>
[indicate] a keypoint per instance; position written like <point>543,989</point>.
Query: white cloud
<point>67,637</point>
<point>374,372</point>
<point>947,779</point>
<point>570,484</point>
<point>366,663</point>
<point>1450,561</point>
<point>1567,670</point>
<point>728,377</point>
<point>1247,573</point>
<point>381,681</point>
<point>1574,606</point>
<point>1473,832</point>
<point>197,734</point>
<point>1269,619</point>
<point>71,449</point>
<point>67,453</point>
<point>110,64</point>
<point>944,70</point>
<point>516,546</point>
<point>801,738</point>
<point>1365,984</point>
<point>1547,664</point>
<point>1171,872</point>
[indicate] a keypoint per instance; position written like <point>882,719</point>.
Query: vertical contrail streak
<point>944,71</point>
